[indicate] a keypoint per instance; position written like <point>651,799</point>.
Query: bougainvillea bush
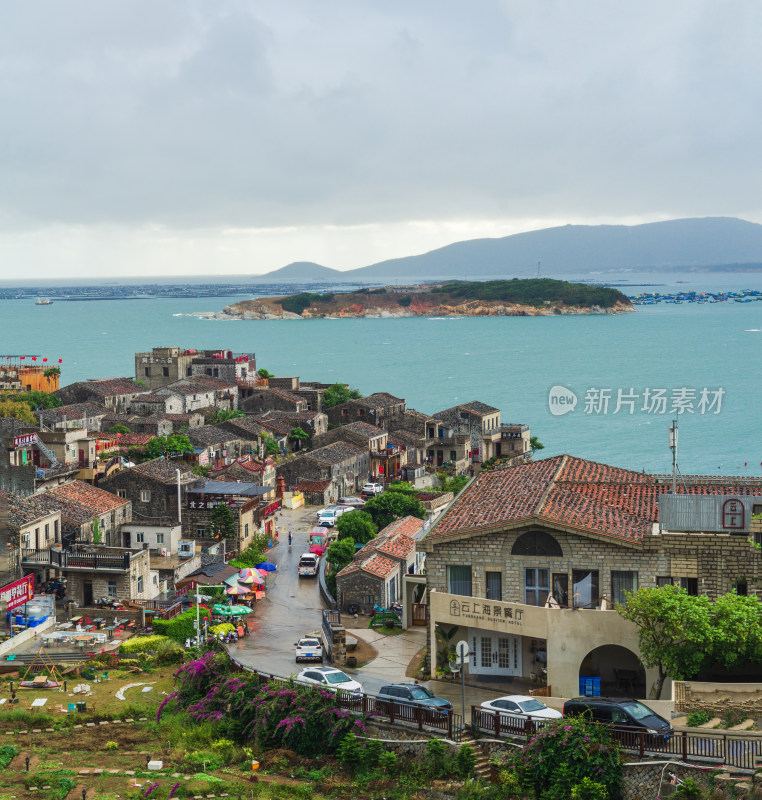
<point>562,754</point>
<point>305,719</point>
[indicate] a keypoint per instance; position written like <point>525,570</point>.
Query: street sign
<point>461,648</point>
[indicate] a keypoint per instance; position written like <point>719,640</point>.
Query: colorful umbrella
<point>223,611</point>
<point>263,572</point>
<point>232,580</point>
<point>249,576</point>
<point>267,565</point>
<point>237,590</point>
<point>240,610</point>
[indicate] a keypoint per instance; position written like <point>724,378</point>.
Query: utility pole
<point>673,448</point>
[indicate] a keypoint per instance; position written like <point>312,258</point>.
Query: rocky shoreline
<point>257,310</point>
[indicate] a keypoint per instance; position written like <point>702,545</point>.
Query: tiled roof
<point>477,407</point>
<point>209,434</point>
<point>405,439</point>
<point>23,510</point>
<point>184,389</point>
<point>335,453</point>
<point>164,470</point>
<point>364,429</point>
<point>134,439</point>
<point>377,565</point>
<point>397,539</point>
<point>275,426</point>
<point>313,486</point>
<point>111,387</point>
<point>291,416</point>
<point>72,412</point>
<point>79,502</point>
<point>573,492</point>
<point>210,382</point>
<point>378,400</point>
<point>284,395</point>
<point>474,407</point>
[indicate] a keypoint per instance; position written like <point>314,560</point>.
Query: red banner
<point>19,592</point>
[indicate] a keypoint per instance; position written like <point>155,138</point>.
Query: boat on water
<point>43,301</point>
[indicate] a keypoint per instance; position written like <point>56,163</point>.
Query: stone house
<point>165,365</point>
<point>249,470</point>
<point>247,430</point>
<point>116,394</point>
<point>480,422</point>
<point>183,397</point>
<point>312,423</point>
<point>151,487</point>
<point>376,409</point>
<point>26,525</point>
<point>528,561</point>
<point>344,464</point>
<point>88,513</point>
<point>267,399</point>
<point>385,458</point>
<point>316,493</point>
<point>312,394</point>
<point>375,576</point>
<point>215,446</point>
<point>154,404</point>
<point>253,508</point>
<point>78,415</point>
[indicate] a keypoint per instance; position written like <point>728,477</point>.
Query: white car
<point>334,680</point>
<point>329,516</point>
<point>519,706</point>
<point>351,502</point>
<point>309,648</point>
<point>372,489</point>
<point>332,509</point>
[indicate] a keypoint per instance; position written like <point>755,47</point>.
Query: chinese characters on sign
<point>18,593</point>
<point>22,441</point>
<point>733,515</point>
<point>654,401</point>
<point>152,360</point>
<point>477,610</point>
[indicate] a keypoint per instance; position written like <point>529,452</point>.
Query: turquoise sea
<point>511,363</point>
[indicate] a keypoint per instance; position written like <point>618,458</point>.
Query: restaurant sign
<point>23,441</point>
<point>480,611</point>
<point>18,593</point>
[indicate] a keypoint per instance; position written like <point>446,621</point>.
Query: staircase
<point>49,454</point>
<point>483,769</point>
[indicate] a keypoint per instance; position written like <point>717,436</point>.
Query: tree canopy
<point>166,445</point>
<point>223,521</point>
<point>386,507</point>
<point>224,414</point>
<point>681,634</point>
<point>358,526</point>
<point>339,393</point>
<point>13,408</point>
<point>298,434</point>
<point>37,399</point>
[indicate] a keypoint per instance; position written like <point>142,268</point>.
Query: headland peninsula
<point>501,298</point>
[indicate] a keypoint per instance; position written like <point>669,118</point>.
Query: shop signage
<point>271,509</point>
<point>18,593</point>
<point>22,441</point>
<point>211,502</point>
<point>477,611</point>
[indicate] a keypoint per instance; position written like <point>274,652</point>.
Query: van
<point>622,712</point>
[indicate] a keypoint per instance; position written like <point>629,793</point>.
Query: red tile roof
<point>573,492</point>
<point>313,486</point>
<point>377,565</point>
<point>79,501</point>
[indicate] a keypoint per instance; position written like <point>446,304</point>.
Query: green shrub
<point>465,761</point>
<point>435,759</point>
<point>405,301</point>
<point>7,753</point>
<point>111,746</point>
<point>142,644</point>
<point>203,761</point>
<point>588,789</point>
<point>169,652</point>
<point>350,752</point>
<point>697,718</point>
<point>388,763</point>
<point>690,790</point>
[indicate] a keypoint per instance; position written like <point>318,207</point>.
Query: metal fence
<point>381,708</point>
<point>720,749</point>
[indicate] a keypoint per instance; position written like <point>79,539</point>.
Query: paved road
<point>292,608</point>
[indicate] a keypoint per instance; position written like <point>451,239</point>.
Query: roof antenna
<point>673,448</point>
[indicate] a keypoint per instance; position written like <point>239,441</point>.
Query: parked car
<point>330,678</point>
<point>413,694</point>
<point>519,706</point>
<point>327,518</point>
<point>371,490</point>
<point>621,712</point>
<point>354,502</point>
<point>309,648</point>
<point>308,565</point>
<point>335,508</point>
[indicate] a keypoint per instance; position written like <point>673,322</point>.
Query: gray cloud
<point>232,114</point>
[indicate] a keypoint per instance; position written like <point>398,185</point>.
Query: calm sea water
<point>511,363</point>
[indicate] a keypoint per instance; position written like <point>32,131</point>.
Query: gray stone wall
<point>355,587</point>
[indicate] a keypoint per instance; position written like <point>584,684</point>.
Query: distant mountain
<point>301,272</point>
<point>686,243</point>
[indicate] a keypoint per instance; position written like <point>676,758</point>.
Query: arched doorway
<point>619,669</point>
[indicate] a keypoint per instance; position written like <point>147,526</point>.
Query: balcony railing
<point>394,450</point>
<point>64,559</point>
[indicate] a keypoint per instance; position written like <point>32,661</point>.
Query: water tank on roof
<point>228,354</point>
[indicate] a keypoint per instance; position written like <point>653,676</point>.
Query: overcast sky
<point>156,137</point>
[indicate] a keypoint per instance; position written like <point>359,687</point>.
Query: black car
<point>621,712</point>
<point>413,694</point>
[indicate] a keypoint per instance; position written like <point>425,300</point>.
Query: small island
<point>504,298</point>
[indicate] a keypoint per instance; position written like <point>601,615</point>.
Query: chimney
<point>280,486</point>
